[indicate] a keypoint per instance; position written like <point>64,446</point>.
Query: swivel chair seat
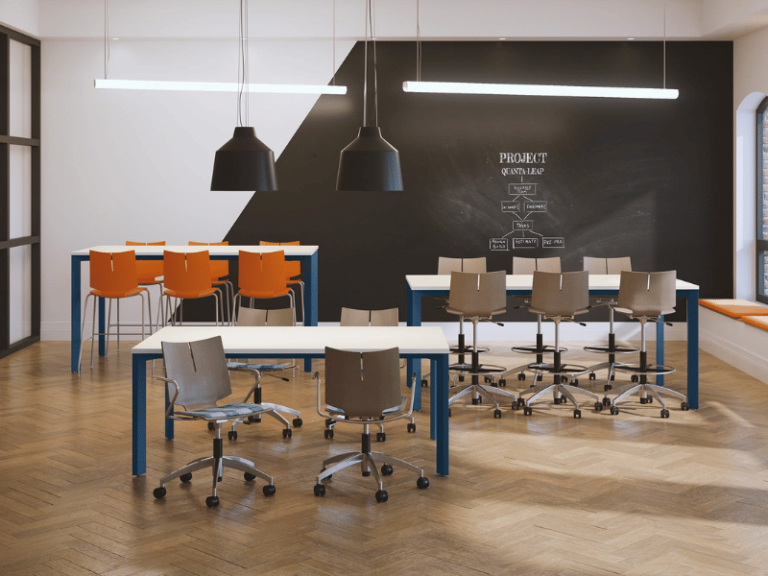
<point>647,297</point>
<point>478,297</point>
<point>559,297</point>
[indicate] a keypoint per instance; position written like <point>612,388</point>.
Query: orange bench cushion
<point>758,321</point>
<point>735,308</point>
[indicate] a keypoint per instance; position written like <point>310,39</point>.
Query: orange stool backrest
<point>219,268</point>
<point>187,273</point>
<point>262,273</point>
<point>292,267</point>
<point>113,274</point>
<point>147,270</point>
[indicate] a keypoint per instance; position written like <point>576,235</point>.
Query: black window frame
<point>6,141</point>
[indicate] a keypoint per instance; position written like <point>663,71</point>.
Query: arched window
<point>762,202</point>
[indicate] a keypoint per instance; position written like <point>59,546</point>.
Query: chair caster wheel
<point>607,387</point>
<point>606,401</point>
<point>503,382</point>
<point>366,473</point>
<point>232,434</point>
<point>424,383</point>
<point>613,377</point>
<point>297,422</point>
<point>411,427</point>
<point>186,477</point>
<point>646,400</point>
<point>598,406</point>
<point>592,376</point>
<point>211,426</point>
<point>386,470</point>
<point>563,400</point>
<point>488,380</point>
<point>248,476</point>
<point>528,411</point>
<point>685,406</point>
<point>634,378</point>
<point>575,382</point>
<point>614,410</point>
<point>521,402</point>
<point>212,501</point>
<point>497,413</point>
<point>269,490</point>
<point>253,419</point>
<point>319,490</point>
<point>540,377</point>
<point>515,406</point>
<point>557,400</point>
<point>449,412</point>
<point>287,433</point>
<point>381,496</point>
<point>521,376</point>
<point>328,434</point>
<point>664,413</point>
<point>381,436</point>
<point>422,482</point>
<point>577,413</point>
<point>476,401</point>
<point>159,492</point>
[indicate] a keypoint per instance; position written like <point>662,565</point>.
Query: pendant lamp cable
<point>243,101</point>
<point>665,44</point>
<point>334,44</point>
<point>375,70</point>
<point>418,43</point>
<point>106,38</point>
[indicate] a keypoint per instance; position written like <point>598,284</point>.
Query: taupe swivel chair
<point>363,387</point>
<point>196,379</point>
<point>479,297</point>
<point>560,297</point>
<point>256,317</point>
<point>608,266</point>
<point>522,265</point>
<point>647,297</point>
<point>373,318</point>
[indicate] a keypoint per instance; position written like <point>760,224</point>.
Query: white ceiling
<point>396,19</point>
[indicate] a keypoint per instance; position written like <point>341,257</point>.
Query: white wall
<point>134,165</point>
<point>21,15</point>
<point>750,85</point>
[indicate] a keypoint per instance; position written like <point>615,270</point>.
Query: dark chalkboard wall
<point>647,178</point>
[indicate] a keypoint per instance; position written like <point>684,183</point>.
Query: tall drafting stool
<point>364,386</point>
<point>608,266</point>
<point>479,297</point>
<point>647,297</point>
<point>196,379</point>
<point>522,265</point>
<point>559,297</point>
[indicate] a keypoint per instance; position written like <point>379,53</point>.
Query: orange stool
<point>262,277</point>
<point>188,275</point>
<point>220,275</point>
<point>113,276</point>
<point>150,273</point>
<point>292,270</point>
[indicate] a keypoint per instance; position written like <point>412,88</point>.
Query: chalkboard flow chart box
<point>499,245</point>
<point>553,242</point>
<point>525,242</point>
<point>522,225</point>
<point>511,206</point>
<point>539,206</point>
<point>522,189</point>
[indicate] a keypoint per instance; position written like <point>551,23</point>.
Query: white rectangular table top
<point>212,250</point>
<point>525,282</point>
<point>303,339</point>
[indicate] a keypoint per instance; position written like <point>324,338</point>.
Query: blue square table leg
<point>440,385</point>
<point>139,416</point>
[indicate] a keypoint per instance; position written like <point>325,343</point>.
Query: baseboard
<point>735,342</point>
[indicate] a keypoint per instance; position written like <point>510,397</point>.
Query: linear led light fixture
<point>218,87</point>
<point>539,90</point>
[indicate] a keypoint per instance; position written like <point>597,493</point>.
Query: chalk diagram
<point>523,202</point>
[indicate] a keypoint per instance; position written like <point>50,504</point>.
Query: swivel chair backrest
<point>354,317</point>
<point>607,265</point>
<point>200,369</point>
<point>257,317</point>
<point>560,294</point>
<point>362,384</point>
<point>522,265</point>
<point>478,295</point>
<point>447,265</point>
<point>650,294</point>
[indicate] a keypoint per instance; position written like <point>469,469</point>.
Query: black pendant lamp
<point>244,163</point>
<point>369,163</point>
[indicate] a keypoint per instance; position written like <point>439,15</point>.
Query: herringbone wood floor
<point>630,494</point>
